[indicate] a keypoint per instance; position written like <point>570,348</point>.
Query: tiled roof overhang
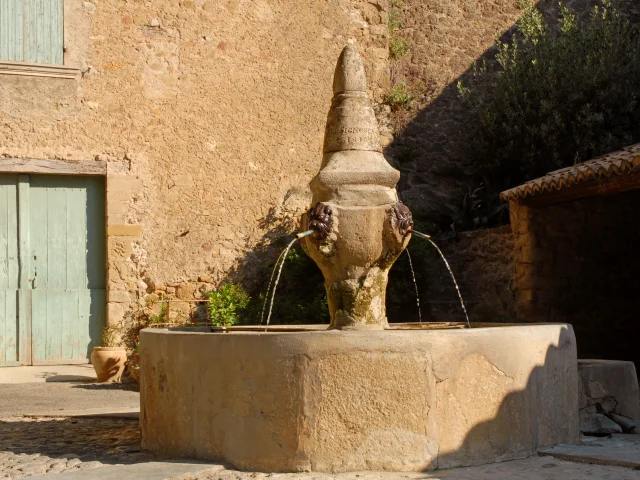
<point>621,167</point>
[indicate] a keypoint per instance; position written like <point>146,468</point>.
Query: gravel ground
<point>36,446</point>
<point>41,398</point>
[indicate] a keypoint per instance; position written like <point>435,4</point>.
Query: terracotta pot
<point>108,362</point>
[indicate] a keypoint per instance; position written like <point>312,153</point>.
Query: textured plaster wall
<point>208,113</point>
<point>577,262</point>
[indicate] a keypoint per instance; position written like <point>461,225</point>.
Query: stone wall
<point>577,262</point>
<point>208,113</point>
<point>482,262</point>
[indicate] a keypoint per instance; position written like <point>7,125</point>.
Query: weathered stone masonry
<point>207,114</point>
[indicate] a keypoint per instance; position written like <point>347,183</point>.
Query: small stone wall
<point>578,262</point>
<point>482,262</point>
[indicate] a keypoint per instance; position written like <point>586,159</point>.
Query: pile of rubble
<point>609,397</point>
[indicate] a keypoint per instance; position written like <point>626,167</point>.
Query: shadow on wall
<point>539,411</point>
<point>431,151</point>
<point>300,296</point>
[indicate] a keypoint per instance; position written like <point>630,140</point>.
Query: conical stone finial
<point>351,123</point>
<point>353,171</point>
<point>349,75</point>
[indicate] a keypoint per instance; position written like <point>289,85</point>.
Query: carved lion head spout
<point>320,220</point>
<point>360,227</point>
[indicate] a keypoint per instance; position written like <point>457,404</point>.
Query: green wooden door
<point>61,263</point>
<point>9,270</point>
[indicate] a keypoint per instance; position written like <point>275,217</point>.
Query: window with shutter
<point>31,31</point>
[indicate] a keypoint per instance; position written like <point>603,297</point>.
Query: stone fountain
<point>359,395</point>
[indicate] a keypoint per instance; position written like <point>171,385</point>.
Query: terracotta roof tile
<point>620,163</point>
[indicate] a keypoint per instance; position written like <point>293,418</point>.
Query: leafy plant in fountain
<point>140,318</point>
<point>562,94</point>
<point>227,303</point>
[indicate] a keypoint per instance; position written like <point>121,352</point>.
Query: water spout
<point>415,285</point>
<point>428,238</point>
<point>304,234</point>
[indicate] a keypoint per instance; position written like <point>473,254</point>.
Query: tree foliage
<point>561,95</point>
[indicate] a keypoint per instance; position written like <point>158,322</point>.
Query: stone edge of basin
<point>324,328</point>
<point>340,401</point>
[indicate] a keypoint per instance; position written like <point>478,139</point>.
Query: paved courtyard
<point>61,431</point>
<point>36,446</point>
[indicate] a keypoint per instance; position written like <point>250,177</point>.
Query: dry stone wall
<point>482,262</point>
<point>208,113</point>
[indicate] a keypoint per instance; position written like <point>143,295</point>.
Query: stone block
<point>610,385</point>
<point>119,296</point>
<point>536,282</point>
<point>116,207</point>
<point>186,291</point>
<point>116,218</point>
<point>115,313</point>
<point>629,425</point>
<point>597,424</point>
<point>123,183</point>
<point>523,296</point>
<point>124,230</point>
<point>119,195</point>
<point>118,248</point>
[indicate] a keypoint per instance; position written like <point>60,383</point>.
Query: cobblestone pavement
<point>32,446</point>
<point>37,446</point>
<point>533,468</point>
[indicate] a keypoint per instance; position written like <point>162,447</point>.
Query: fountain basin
<point>402,399</point>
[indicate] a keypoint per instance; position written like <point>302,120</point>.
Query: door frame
<point>24,167</point>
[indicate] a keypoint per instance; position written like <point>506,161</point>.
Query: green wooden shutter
<point>32,31</point>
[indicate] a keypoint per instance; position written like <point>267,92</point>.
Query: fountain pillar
<point>361,227</point>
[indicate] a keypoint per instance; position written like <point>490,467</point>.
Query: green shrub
<point>399,96</point>
<point>561,96</point>
<point>397,48</point>
<point>226,304</point>
<point>395,19</point>
<point>162,316</point>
